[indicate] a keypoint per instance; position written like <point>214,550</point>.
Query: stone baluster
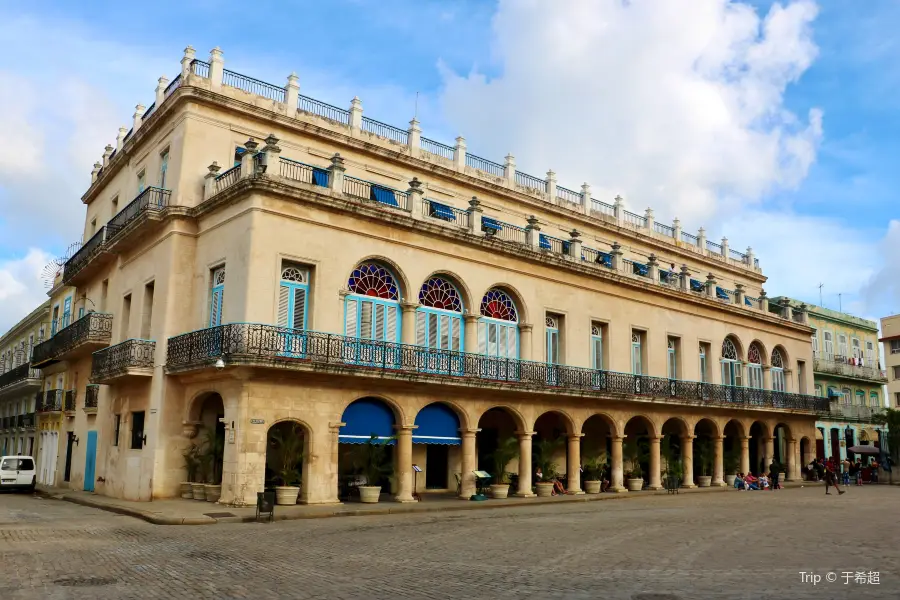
<point>189,56</point>
<point>475,211</point>
<point>509,170</point>
<point>575,245</point>
<point>711,286</point>
<point>615,256</point>
<point>653,268</point>
<point>336,174</point>
<point>209,181</point>
<point>619,210</point>
<point>138,117</point>
<point>533,233</point>
<point>120,139</point>
<point>356,114</point>
<point>161,85</point>
<point>416,198</point>
<point>585,199</point>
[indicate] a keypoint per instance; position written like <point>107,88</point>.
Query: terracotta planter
<point>213,492</point>
<point>704,480</point>
<point>369,493</point>
<point>634,485</point>
<point>198,491</point>
<point>592,487</point>
<point>500,490</point>
<point>544,489</point>
<point>286,495</point>
<point>186,492</point>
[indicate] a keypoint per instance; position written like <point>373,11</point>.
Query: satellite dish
<point>54,268</point>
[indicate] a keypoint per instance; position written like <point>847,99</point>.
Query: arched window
<point>846,397</point>
<point>293,296</point>
<point>498,330</point>
<point>828,338</point>
<point>754,367</point>
<point>818,390</point>
<point>372,308</point>
<point>439,318</point>
<point>860,398</point>
<point>731,364</point>
<point>779,382</point>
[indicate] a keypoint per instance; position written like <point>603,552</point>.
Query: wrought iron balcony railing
<point>152,199</point>
<point>84,254</point>
<point>117,360</point>
<point>20,373</point>
<point>27,420</point>
<point>247,343</point>
<point>53,401</point>
<point>837,365</point>
<point>70,400</point>
<point>854,412</point>
<point>91,328</point>
<point>91,393</point>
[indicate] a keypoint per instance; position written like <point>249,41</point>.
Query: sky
<point>774,124</point>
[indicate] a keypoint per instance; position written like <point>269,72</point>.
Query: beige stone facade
<point>345,263</point>
<point>890,331</point>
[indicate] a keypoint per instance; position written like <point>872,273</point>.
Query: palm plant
<point>593,464</point>
<point>191,462</point>
<point>671,466</point>
<point>372,460</point>
<point>890,417</point>
<point>731,462</point>
<point>506,450</point>
<point>545,450</point>
<point>213,451</point>
<point>705,456</point>
<point>632,454</point>
<point>288,443</point>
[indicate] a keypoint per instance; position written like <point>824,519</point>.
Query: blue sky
<point>775,124</point>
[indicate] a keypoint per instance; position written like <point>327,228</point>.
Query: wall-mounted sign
<point>257,421</point>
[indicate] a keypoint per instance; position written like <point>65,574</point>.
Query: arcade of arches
<point>448,438</point>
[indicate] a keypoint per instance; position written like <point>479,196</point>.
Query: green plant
<point>544,453</point>
<point>213,453</point>
<point>191,462</point>
<point>593,465</point>
<point>372,460</point>
<point>890,417</point>
<point>705,456</point>
<point>632,455</point>
<point>506,450</point>
<point>731,461</point>
<point>288,445</point>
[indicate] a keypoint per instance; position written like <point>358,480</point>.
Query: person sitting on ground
<point>739,482</point>
<point>750,482</point>
<point>763,482</point>
<point>558,487</point>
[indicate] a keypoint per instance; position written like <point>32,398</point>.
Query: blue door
<point>90,462</point>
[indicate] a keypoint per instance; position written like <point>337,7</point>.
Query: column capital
<point>617,438</point>
<point>469,432</point>
<point>575,436</point>
<point>471,318</point>
<point>718,438</point>
<point>525,327</point>
<point>688,437</point>
<point>406,305</point>
<point>405,428</point>
<point>655,438</point>
<point>524,434</point>
<point>336,426</point>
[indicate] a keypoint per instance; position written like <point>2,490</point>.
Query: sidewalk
<point>196,512</point>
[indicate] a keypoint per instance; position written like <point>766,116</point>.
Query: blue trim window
<point>672,358</point>
<point>597,347</point>
<point>141,181</point>
<point>216,297</point>
<point>552,324</point>
<point>636,353</point>
<point>67,312</point>
<point>372,312</point>
<point>696,286</point>
<point>320,177</point>
<point>163,167</point>
<point>437,210</point>
<point>293,298</point>
<point>498,328</point>
<point>439,324</point>
<point>732,369</point>
<point>779,381</point>
<point>704,367</point>
<point>490,225</point>
<point>754,367</point>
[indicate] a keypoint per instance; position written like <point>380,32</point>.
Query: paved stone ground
<point>725,545</point>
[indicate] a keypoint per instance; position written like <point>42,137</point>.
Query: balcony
<point>53,402</point>
<point>131,358</point>
<point>90,332</point>
<point>840,366</point>
<point>91,394</point>
<point>92,255</point>
<point>854,412</point>
<point>69,406</point>
<point>21,379</point>
<point>137,219</point>
<point>26,421</point>
<point>269,346</point>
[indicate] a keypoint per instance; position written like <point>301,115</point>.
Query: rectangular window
<point>896,399</point>
<point>829,345</point>
<point>870,354</point>
<point>552,346</point>
<point>30,345</point>
<point>856,348</point>
<point>637,343</point>
<point>672,357</point>
<point>216,296</point>
<point>895,346</point>
<point>842,345</point>
<point>896,372</point>
<point>104,290</point>
<point>116,430</point>
<point>67,313</point>
<point>141,184</point>
<point>126,317</point>
<point>597,345</point>
<point>163,167</point>
<point>137,430</point>
<point>147,314</point>
<point>815,343</point>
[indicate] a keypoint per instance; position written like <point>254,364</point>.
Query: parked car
<point>17,473</point>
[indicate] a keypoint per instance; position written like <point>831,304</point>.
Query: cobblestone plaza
<point>712,545</point>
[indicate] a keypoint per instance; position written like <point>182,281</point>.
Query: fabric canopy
<point>442,211</point>
<point>384,195</point>
<point>320,177</point>
<point>364,418</point>
<point>437,424</point>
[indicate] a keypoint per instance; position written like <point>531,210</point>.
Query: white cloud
<point>674,104</point>
<point>882,292</point>
<point>22,286</point>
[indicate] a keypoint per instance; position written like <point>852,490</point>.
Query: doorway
<point>437,458</point>
<point>835,444</point>
<point>70,437</point>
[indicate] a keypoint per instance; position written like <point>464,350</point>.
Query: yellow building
<point>353,278</point>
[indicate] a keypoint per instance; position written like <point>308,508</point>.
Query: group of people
<point>849,470</point>
<point>748,481</point>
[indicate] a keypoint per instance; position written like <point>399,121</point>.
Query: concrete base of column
<point>618,490</point>
<point>524,494</point>
<point>578,493</point>
<point>404,500</point>
<point>688,486</point>
<point>718,484</point>
<point>654,487</point>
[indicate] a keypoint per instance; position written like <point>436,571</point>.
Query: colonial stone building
<point>253,256</point>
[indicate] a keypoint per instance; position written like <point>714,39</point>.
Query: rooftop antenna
<point>416,113</point>
<point>840,305</point>
<point>820,295</point>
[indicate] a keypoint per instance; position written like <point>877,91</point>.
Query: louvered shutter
<point>421,338</point>
<point>298,316</point>
<point>598,353</point>
<point>365,320</point>
<point>350,320</point>
<point>482,337</point>
<point>455,344</point>
<point>215,308</point>
<point>433,339</point>
<point>284,299</point>
<point>391,333</point>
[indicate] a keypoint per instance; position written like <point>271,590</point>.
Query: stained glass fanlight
<point>497,304</point>
<point>370,279</point>
<point>437,292</point>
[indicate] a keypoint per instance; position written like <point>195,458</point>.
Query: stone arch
<point>784,356</point>
<point>611,423</point>
<point>564,417</point>
<point>706,426</point>
<point>517,417</point>
<point>514,293</point>
<point>194,407</point>
<point>495,426</point>
<point>400,418</point>
<point>461,414</point>
<point>392,266</point>
<point>734,427</point>
<point>676,425</point>
<point>272,460</point>
<point>738,346</point>
<point>465,293</point>
<point>782,436</point>
<point>651,427</point>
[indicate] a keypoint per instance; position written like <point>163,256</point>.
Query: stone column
<point>320,468</point>
<point>356,113</point>
<point>291,95</point>
<point>655,482</point>
<point>725,247</point>
<point>525,341</point>
<point>336,174</point>
<point>551,187</point>
<point>769,452</point>
<point>524,490</point>
<point>711,285</point>
<point>404,464</point>
<point>136,118</point>
<point>701,241</point>
<point>573,468</point>
<point>247,165</point>
<point>408,323</point>
<point>509,170</point>
<point>615,257</point>
<point>120,139</point>
<point>791,473</point>
<point>649,219</point>
<point>685,279</point>
<point>468,463</point>
<point>718,462</point>
<point>617,476</point>
<point>676,226</point>
<point>767,377</point>
<point>216,68</point>
<point>416,199</point>
<point>471,334</point>
<point>745,455</point>
<point>459,153</point>
<point>751,260</point>
<point>107,152</point>
<point>209,181</point>
<point>687,459</point>
<point>653,268</point>
<point>415,138</point>
<point>270,158</point>
<point>763,301</point>
<point>475,211</point>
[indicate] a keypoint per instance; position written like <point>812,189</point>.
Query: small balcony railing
<point>838,365</point>
<point>84,255</point>
<point>93,328</point>
<point>70,400</point>
<point>122,359</point>
<point>152,199</point>
<point>4,423</point>
<point>91,395</point>
<point>855,412</point>
<point>27,420</point>
<point>21,373</point>
<point>53,401</point>
<point>269,345</point>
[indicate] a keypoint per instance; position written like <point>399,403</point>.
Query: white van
<point>17,473</point>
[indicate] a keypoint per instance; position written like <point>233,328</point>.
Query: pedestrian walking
<point>774,472</point>
<point>845,472</point>
<point>831,479</point>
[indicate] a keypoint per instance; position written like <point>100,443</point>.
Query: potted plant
<point>371,460</point>
<point>191,464</point>
<point>631,452</point>
<point>288,445</point>
<point>214,450</point>
<point>593,471</point>
<point>545,451</point>
<point>672,467</point>
<point>731,462</point>
<point>705,458</point>
<point>506,450</point>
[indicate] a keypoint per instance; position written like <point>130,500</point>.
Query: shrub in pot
<point>705,459</point>
<point>288,447</point>
<point>632,454</point>
<point>593,471</point>
<point>371,460</point>
<point>731,461</point>
<point>545,450</point>
<point>191,466</point>
<point>506,450</point>
<point>214,451</point>
<point>672,467</point>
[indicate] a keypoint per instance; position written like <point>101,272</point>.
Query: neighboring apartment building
<point>890,332</point>
<point>19,382</point>
<point>356,278</point>
<point>848,371</point>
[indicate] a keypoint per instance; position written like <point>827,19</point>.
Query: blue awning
<point>639,269</point>
<point>604,259</point>
<point>696,286</point>
<point>490,224</point>
<point>384,195</point>
<point>721,293</point>
<point>364,418</point>
<point>747,301</point>
<point>543,242</point>
<point>441,211</point>
<point>437,424</point>
<point>320,177</point>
